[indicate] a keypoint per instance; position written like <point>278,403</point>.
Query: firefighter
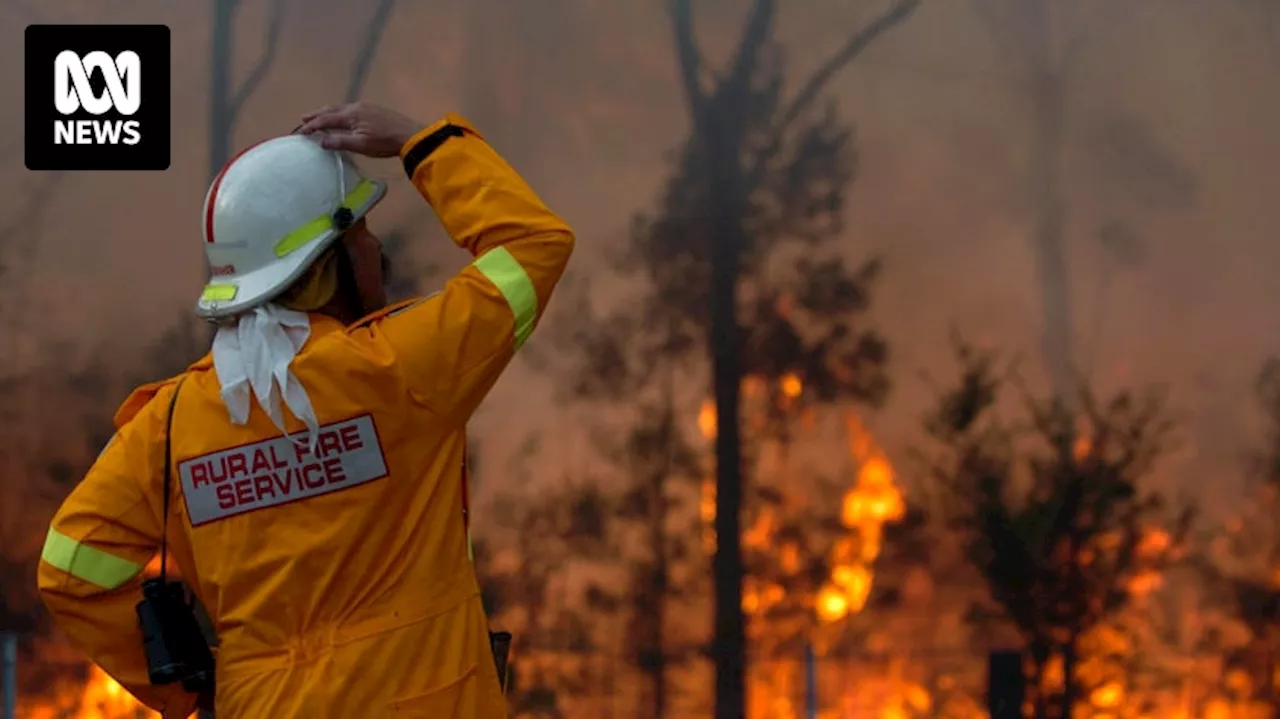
<point>317,452</point>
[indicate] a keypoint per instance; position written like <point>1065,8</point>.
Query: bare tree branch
<point>753,37</point>
<point>369,50</point>
<point>809,92</point>
<point>1025,34</point>
<point>688,55</point>
<point>263,65</point>
<point>845,55</point>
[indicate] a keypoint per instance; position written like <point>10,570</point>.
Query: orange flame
<point>873,501</point>
<point>101,697</point>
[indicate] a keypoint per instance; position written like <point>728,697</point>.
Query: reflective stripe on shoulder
<point>86,563</point>
<point>505,272</point>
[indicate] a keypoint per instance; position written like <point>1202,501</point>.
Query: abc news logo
<point>72,92</point>
<point>90,102</point>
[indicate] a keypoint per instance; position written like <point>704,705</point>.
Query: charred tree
<point>362,65</point>
<point>1256,550</point>
<point>721,141</point>
<point>404,276</point>
<point>1044,56</point>
<point>558,634</point>
<point>657,456</point>
<point>651,577</point>
<point>1048,117</point>
<point>760,174</point>
<point>225,99</point>
<point>1025,32</point>
<point>44,459</point>
<point>1054,517</point>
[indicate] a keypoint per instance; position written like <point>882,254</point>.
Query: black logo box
<point>42,45</point>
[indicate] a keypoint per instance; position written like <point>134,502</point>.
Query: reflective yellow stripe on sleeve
<point>84,562</point>
<point>510,278</point>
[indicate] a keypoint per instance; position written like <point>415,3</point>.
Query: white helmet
<point>270,213</point>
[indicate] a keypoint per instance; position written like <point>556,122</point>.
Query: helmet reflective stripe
<point>218,293</point>
<point>271,213</point>
<point>318,225</point>
<point>224,292</point>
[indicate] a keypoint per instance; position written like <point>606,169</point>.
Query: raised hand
<point>361,128</point>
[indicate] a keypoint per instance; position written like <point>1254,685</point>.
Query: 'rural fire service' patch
<point>277,471</point>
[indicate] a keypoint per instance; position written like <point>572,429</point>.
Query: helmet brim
<point>241,292</point>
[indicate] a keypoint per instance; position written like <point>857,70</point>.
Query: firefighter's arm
<point>455,344</point>
<point>100,540</point>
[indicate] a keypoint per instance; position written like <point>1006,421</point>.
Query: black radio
<point>171,637</point>
<point>176,648</point>
<point>500,643</point>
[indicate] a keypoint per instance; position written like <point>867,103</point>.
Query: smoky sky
<point>1168,176</point>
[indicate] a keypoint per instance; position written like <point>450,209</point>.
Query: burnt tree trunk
<point>1049,232</point>
<point>1268,691</point>
<point>226,101</point>
<point>719,147</point>
<point>723,142</point>
<point>1049,242</point>
<point>363,62</point>
<point>221,117</point>
<point>1070,657</point>
<point>655,664</point>
<point>1040,655</point>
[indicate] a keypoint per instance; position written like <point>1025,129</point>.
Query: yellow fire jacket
<point>339,581</point>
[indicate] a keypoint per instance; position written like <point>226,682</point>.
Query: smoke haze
<point>1169,151</point>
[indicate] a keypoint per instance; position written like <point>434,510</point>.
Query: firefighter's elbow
<point>564,242</point>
